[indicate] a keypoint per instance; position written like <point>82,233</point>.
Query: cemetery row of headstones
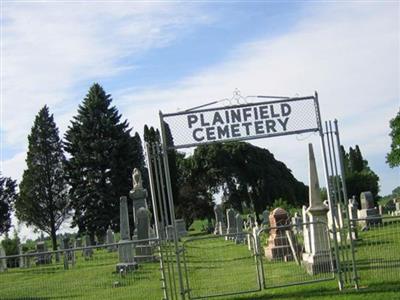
<point>316,254</point>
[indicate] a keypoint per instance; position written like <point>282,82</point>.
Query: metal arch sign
<point>241,122</point>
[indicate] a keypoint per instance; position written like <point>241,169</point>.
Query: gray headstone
<point>265,215</point>
<point>239,229</point>
<point>45,258</point>
<point>78,243</point>
<point>110,239</point>
<point>143,224</point>
<point>3,262</point>
<point>21,258</point>
<point>125,249</point>
<point>124,219</point>
<point>87,253</point>
<point>181,227</point>
<point>367,200</point>
<point>230,217</point>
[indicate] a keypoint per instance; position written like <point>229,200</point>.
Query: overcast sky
<point>170,56</point>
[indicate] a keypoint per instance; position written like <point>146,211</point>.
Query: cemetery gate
<point>181,259</point>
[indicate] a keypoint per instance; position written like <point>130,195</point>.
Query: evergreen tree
<point>358,174</point>
<point>346,162</point>
<point>7,198</point>
<point>393,157</point>
<point>358,163</point>
<point>43,200</point>
<point>103,155</point>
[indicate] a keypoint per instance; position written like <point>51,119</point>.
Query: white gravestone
<point>230,217</point>
<point>319,259</point>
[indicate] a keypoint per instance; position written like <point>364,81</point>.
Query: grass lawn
<point>214,266</point>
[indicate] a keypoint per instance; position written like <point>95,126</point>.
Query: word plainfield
<point>240,122</point>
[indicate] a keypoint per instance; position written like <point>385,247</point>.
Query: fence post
<point>328,189</point>
<point>346,202</point>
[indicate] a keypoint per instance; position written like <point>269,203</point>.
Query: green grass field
<point>214,266</point>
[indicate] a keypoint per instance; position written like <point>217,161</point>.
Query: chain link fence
<point>290,255</point>
<point>220,265</point>
<point>377,252</point>
<point>81,273</point>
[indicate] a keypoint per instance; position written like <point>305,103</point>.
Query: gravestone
<point>87,252</point>
<point>110,239</point>
<point>251,222</point>
<point>278,246</point>
<point>220,227</point>
<point>230,217</point>
<point>78,243</point>
<point>265,215</point>
<point>353,207</point>
<point>138,195</point>
<point>143,249</point>
<point>125,247</point>
<point>397,207</point>
<point>181,227</point>
<point>319,258</point>
<point>69,255</point>
<point>337,220</point>
<point>240,236</point>
<point>296,221</point>
<point>368,213</point>
<point>3,262</point>
<point>42,259</point>
<point>22,263</point>
<point>169,229</point>
<point>380,209</point>
<point>253,241</point>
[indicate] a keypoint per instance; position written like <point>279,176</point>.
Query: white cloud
<point>349,53</point>
<point>50,48</point>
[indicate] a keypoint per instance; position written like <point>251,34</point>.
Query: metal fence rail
<point>80,273</point>
<point>283,258</point>
<point>378,249</point>
<point>219,265</point>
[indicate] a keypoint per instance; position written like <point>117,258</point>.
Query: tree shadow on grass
<point>323,292</point>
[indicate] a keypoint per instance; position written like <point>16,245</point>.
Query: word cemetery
<point>240,122</point>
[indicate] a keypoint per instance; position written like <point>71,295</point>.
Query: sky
<point>171,55</point>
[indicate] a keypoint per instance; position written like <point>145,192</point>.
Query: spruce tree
<point>7,198</point>
<point>43,200</point>
<point>103,155</point>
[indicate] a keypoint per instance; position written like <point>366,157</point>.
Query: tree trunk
<point>53,236</point>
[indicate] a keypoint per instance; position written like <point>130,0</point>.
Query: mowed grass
<point>214,266</point>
